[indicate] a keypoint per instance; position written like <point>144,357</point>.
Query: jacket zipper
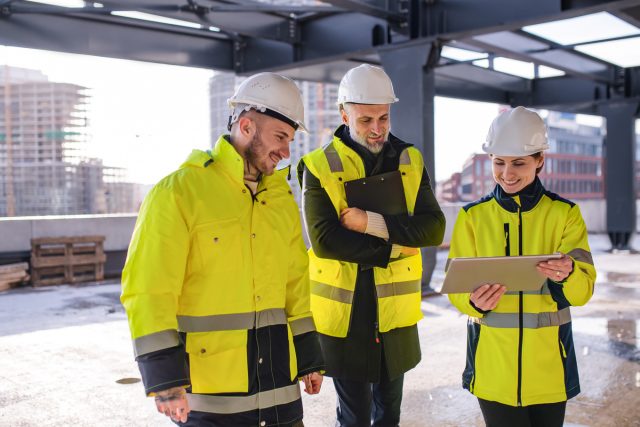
<point>520,314</point>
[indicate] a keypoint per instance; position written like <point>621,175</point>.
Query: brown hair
<point>537,156</point>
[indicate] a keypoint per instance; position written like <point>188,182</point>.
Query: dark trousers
<point>499,415</point>
<point>361,403</point>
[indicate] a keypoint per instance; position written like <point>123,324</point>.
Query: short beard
<point>252,155</point>
<point>374,148</point>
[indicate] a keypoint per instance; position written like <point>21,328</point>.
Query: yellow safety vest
<point>521,353</point>
<point>207,260</point>
<point>333,281</point>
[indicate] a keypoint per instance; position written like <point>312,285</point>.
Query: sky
<point>147,117</point>
<point>144,117</point>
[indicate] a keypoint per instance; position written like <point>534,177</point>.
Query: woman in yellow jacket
<point>521,362</point>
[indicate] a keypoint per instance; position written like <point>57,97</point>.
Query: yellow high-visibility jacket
<point>521,353</point>
<point>333,281</point>
<point>222,274</point>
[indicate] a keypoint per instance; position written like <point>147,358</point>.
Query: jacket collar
<point>529,197</point>
<point>225,155</point>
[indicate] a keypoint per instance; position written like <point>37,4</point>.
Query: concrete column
<point>619,153</point>
<point>412,118</point>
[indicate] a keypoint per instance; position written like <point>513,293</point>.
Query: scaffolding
<point>44,169</point>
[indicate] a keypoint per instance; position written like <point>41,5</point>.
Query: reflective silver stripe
<point>335,164</point>
<point>398,288</point>
<point>235,321</point>
<point>581,255</point>
<point>543,291</point>
<point>273,316</point>
<point>529,320</point>
<point>302,326</point>
<point>405,159</point>
<point>156,341</point>
<point>331,292</point>
<point>236,404</point>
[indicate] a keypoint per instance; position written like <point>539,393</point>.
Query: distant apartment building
<point>573,165</point>
<point>321,115</point>
<point>43,137</point>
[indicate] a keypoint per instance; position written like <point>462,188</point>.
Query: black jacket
<point>358,357</point>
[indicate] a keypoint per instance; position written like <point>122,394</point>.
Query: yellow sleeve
<point>578,287</point>
<point>154,271</point>
<point>298,288</point>
<point>463,244</point>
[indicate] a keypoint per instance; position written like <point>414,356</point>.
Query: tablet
<point>517,273</point>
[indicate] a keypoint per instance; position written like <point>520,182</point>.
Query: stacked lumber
<point>13,275</point>
<point>59,260</point>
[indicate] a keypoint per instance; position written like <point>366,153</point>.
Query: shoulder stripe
<point>556,198</point>
<point>485,199</point>
<point>333,158</point>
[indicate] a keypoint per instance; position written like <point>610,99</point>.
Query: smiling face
<point>368,124</point>
<point>269,143</point>
<point>514,173</point>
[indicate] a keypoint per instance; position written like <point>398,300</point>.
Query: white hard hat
<point>270,94</point>
<point>366,84</point>
<point>517,132</point>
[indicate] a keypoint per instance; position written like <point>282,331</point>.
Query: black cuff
<point>308,353</point>
<point>478,309</point>
<point>164,369</point>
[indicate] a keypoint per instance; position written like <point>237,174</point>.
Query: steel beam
<point>86,36</point>
<point>619,172</point>
<point>412,118</point>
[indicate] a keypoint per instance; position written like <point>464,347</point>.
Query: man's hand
<point>487,296</point>
<point>354,219</point>
<point>312,382</point>
<point>556,269</point>
<point>173,403</point>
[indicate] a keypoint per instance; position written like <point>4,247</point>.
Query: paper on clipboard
<point>517,273</point>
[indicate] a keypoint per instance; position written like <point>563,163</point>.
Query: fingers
<point>173,403</point>
<point>308,386</point>
<point>487,296</point>
<point>312,383</point>
<point>556,269</point>
<point>317,382</point>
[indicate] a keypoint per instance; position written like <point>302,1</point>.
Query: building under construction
<point>44,169</point>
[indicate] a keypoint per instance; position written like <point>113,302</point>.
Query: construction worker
<point>521,362</point>
<point>216,283</point>
<point>365,267</point>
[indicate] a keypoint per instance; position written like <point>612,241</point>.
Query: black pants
<point>499,415</point>
<point>361,403</point>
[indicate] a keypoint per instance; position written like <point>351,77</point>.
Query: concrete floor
<point>65,352</point>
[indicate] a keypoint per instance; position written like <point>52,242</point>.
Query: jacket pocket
<point>398,291</point>
<point>219,244</point>
<point>218,361</point>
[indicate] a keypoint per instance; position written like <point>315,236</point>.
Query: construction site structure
<point>44,168</point>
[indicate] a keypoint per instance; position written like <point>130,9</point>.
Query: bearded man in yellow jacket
<point>216,284</point>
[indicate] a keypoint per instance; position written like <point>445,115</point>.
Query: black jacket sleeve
<point>164,369</point>
<point>425,227</point>
<point>329,238</point>
<point>308,353</point>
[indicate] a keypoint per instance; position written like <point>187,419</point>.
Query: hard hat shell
<point>366,84</point>
<point>274,92</point>
<point>516,132</point>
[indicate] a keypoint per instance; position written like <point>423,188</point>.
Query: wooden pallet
<point>13,274</point>
<point>58,260</point>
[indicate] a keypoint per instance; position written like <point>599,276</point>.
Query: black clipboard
<point>383,194</point>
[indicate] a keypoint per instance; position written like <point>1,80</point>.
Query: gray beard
<point>374,148</point>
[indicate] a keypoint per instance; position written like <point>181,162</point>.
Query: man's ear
<point>246,126</point>
<point>344,115</point>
